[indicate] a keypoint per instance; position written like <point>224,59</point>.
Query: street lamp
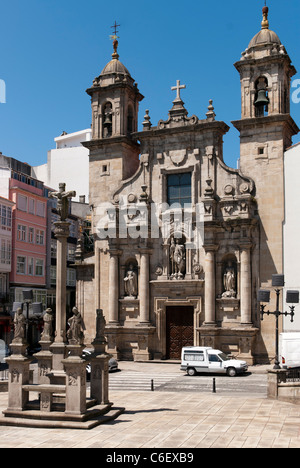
<point>292,297</point>
<point>27,298</point>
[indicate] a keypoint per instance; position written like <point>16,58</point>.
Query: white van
<point>289,345</point>
<point>203,359</point>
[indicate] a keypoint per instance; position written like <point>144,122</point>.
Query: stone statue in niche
<point>229,281</point>
<point>130,282</point>
<point>75,333</point>
<point>178,259</point>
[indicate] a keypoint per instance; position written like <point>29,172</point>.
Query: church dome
<point>265,36</point>
<point>115,67</point>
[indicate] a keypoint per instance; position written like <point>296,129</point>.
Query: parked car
<point>203,359</point>
<point>112,363</point>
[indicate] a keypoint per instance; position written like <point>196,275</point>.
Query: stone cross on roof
<point>177,88</point>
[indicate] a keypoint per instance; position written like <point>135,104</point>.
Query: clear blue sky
<point>52,49</point>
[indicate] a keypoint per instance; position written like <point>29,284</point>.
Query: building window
<point>5,257</point>
<point>31,205</point>
<point>3,283</point>
<point>22,203</point>
<point>21,233</point>
<point>53,248</point>
<point>71,253</point>
<point>40,209</point>
<point>5,217</point>
<point>180,189</point>
<point>72,229</point>
<point>31,235</point>
<point>39,267</point>
<point>40,237</point>
<point>53,275</point>
<point>21,265</point>
<point>71,277</point>
<point>30,266</point>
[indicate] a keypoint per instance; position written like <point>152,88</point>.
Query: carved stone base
<point>237,341</point>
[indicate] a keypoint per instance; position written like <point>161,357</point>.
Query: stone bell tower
<point>114,153</point>
<point>266,130</point>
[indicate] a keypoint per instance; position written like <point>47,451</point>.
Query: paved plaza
<point>174,420</point>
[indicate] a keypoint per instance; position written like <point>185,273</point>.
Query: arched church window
<point>262,101</point>
<point>107,120</point>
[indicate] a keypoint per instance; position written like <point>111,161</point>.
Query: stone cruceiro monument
<point>59,398</point>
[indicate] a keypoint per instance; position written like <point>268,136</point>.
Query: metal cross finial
<point>177,88</point>
<point>115,27</point>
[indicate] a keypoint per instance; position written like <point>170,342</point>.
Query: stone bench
<point>46,394</point>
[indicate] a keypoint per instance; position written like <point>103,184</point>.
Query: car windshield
<point>224,357</point>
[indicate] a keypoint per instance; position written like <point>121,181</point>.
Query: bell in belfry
<point>108,119</point>
<point>262,98</point>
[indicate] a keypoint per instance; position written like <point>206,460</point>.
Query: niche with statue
<point>228,301</point>
<point>129,302</point>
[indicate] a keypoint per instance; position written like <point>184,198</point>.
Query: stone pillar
<point>62,232</point>
<point>210,285</point>
<point>45,357</point>
<point>246,312</point>
<point>100,364</point>
<point>144,287</point>
<point>19,375</point>
<point>114,287</point>
<point>75,368</point>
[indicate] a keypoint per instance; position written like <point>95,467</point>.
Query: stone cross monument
<point>62,232</point>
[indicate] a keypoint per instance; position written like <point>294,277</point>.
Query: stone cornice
<point>201,126</point>
<point>284,119</point>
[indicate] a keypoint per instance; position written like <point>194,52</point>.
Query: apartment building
<point>6,207</point>
<point>29,246</point>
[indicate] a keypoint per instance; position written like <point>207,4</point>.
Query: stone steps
<point>99,414</point>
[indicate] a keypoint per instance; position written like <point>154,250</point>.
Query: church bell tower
<point>265,70</point>
<point>114,153</point>
<point>266,130</point>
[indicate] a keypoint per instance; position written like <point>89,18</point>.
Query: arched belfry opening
<point>107,120</point>
<point>262,100</point>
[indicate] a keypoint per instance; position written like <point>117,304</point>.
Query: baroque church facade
<point>183,242</point>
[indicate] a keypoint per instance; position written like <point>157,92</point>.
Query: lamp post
<point>27,298</point>
<point>292,297</point>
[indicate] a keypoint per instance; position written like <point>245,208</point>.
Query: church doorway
<point>180,330</point>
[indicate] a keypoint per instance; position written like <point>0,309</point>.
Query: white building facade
<point>291,230</point>
<point>68,162</point>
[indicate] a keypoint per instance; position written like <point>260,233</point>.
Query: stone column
<point>75,368</point>
<point>114,287</point>
<point>100,364</point>
<point>18,365</point>
<point>144,287</point>
<point>62,232</point>
<point>19,375</point>
<point>246,312</point>
<point>210,285</point>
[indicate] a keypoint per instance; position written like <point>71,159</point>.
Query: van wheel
<point>191,371</point>
<point>231,372</point>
